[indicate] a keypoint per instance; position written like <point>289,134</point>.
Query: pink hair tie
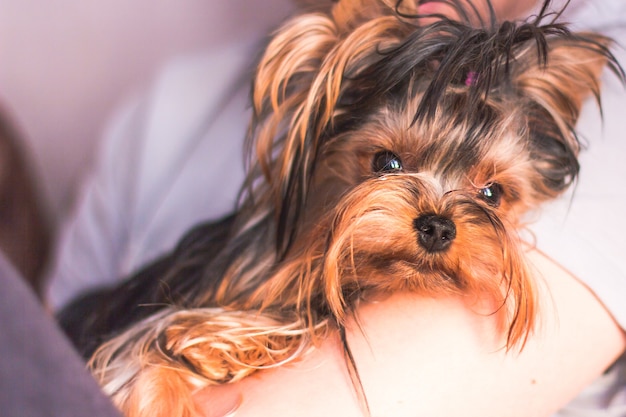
<point>472,77</point>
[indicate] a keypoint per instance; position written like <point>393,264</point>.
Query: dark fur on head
<point>386,155</point>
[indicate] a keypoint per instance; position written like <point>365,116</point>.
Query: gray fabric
<point>606,397</point>
<point>40,374</point>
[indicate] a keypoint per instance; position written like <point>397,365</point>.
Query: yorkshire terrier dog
<point>390,151</point>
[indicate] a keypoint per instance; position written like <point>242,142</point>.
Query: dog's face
<point>429,204</point>
<point>404,156</point>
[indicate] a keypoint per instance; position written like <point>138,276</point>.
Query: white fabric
<point>168,161</point>
<point>174,158</point>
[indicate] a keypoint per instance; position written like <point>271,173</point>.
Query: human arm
<point>438,357</point>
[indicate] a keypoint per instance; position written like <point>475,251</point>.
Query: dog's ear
<point>570,73</point>
<point>555,85</point>
<point>301,74</point>
<point>298,83</point>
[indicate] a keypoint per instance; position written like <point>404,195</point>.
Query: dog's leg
<point>154,368</point>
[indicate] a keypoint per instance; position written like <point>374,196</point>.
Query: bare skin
<point>440,357</point>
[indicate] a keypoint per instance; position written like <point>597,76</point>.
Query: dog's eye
<point>492,194</point>
<point>386,162</point>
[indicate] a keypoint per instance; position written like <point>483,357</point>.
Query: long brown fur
<point>370,130</point>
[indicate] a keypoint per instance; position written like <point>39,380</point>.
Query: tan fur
<point>356,234</point>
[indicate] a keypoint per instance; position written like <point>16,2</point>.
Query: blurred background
<point>66,64</point>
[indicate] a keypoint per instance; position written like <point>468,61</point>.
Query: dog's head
<point>402,155</point>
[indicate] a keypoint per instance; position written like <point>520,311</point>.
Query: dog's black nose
<point>434,233</point>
